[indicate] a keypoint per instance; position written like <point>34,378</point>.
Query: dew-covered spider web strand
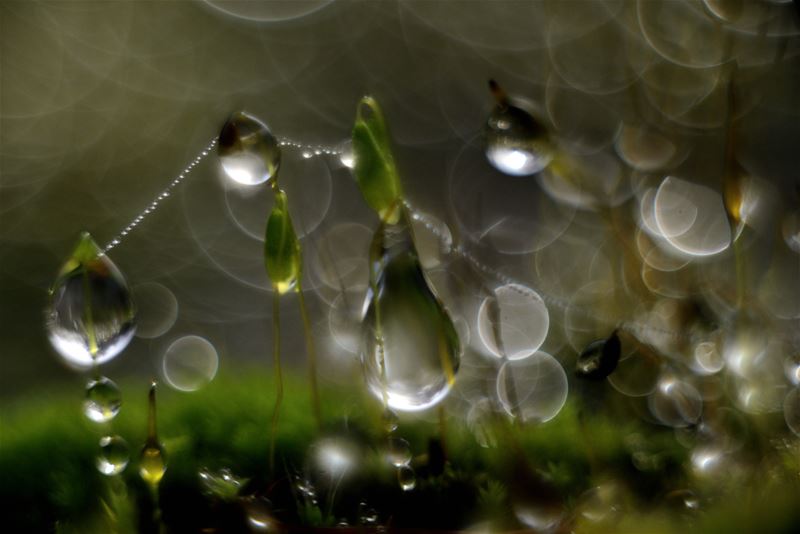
<point>162,195</point>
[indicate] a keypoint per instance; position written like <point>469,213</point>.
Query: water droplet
<point>398,452</point>
<point>516,143</point>
<point>707,358</point>
<point>114,455</point>
<point>90,317</point>
<point>367,516</point>
<point>190,363</point>
<point>102,401</point>
<point>513,322</point>
<point>345,151</point>
<point>281,247</point>
<point>599,359</point>
<point>407,478</point>
<point>390,420</point>
<point>258,511</point>
<point>152,462</point>
<point>248,151</point>
<point>411,351</point>
<point>601,504</point>
<point>307,154</point>
<point>683,499</point>
<point>222,484</point>
<point>534,389</point>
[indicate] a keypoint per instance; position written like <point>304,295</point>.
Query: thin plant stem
<point>276,355</point>
<point>311,350</point>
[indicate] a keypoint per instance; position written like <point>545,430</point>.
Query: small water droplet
<point>90,317</point>
<point>318,152</point>
<point>516,143</point>
<point>412,354</point>
<point>307,154</point>
<point>248,151</point>
<point>114,455</point>
<point>258,511</point>
<point>102,400</point>
<point>398,452</point>
<point>599,359</point>
<point>152,461</point>
<point>390,420</point>
<point>407,478</point>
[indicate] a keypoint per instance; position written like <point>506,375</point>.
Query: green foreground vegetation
<point>49,482</point>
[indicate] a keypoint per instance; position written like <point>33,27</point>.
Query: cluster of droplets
<point>163,195</point>
<point>398,452</point>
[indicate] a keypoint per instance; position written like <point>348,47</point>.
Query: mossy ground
<point>49,481</point>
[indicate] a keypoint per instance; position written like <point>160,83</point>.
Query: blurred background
<point>102,104</point>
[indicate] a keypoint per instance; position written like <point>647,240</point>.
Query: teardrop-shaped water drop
<point>152,460</point>
<point>102,401</point>
<point>281,247</point>
<point>411,351</point>
<point>90,317</point>
<point>390,420</point>
<point>248,151</point>
<point>599,359</point>
<point>516,143</point>
<point>114,455</point>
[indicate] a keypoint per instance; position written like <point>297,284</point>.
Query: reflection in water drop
<point>248,151</point>
<point>407,478</point>
<point>90,314</point>
<point>398,452</point>
<point>190,363</point>
<point>534,389</point>
<point>102,400</point>
<point>114,455</point>
<point>516,143</point>
<point>157,309</point>
<point>522,322</point>
<point>411,351</point>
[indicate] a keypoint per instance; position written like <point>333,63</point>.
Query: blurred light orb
<point>691,217</point>
<point>707,358</point>
<point>335,457</point>
<point>522,322</point>
<point>268,10</point>
<point>248,151</point>
<point>675,403</point>
<point>157,309</point>
<point>190,363</point>
<point>534,389</point>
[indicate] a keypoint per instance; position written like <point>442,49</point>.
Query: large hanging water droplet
<point>516,143</point>
<point>248,151</point>
<point>90,317</point>
<point>114,455</point>
<point>411,351</point>
<point>222,484</point>
<point>102,400</point>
